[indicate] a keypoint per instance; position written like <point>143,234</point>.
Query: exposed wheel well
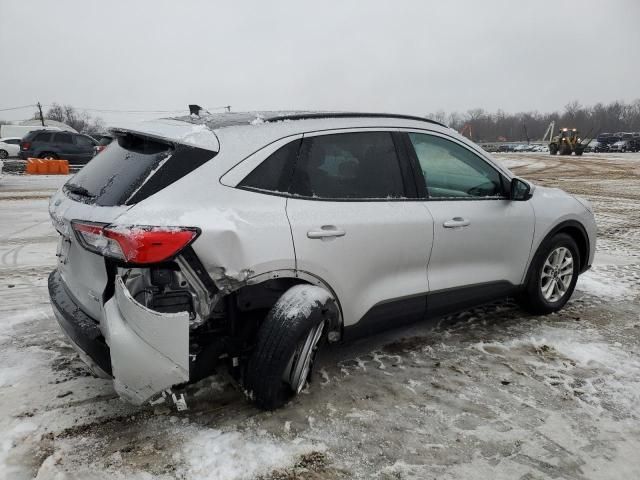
<point>264,295</point>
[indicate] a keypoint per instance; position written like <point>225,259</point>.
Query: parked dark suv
<point>75,147</point>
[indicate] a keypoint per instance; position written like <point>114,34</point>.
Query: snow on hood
<point>197,135</point>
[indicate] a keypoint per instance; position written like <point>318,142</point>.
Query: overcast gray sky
<point>394,56</point>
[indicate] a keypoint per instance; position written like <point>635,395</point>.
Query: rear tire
<point>48,155</point>
<point>553,149</point>
<point>552,275</point>
<point>4,154</point>
<point>287,342</point>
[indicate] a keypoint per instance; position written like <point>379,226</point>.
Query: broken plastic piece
<point>180,403</point>
<point>161,399</point>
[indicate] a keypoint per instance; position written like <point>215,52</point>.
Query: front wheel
<point>287,342</point>
<point>552,276</point>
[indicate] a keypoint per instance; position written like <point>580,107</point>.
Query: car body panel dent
<point>243,233</point>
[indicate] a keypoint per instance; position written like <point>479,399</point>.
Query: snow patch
<point>301,299</point>
<point>222,455</point>
<point>581,363</point>
<point>16,366</point>
<point>8,322</point>
<point>598,285</point>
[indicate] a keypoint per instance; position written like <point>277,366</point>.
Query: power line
<point>109,110</point>
<point>16,108</point>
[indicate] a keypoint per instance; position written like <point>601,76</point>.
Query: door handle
<point>326,231</point>
<point>456,222</point>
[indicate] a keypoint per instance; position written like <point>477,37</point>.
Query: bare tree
<point>79,120</point>
<point>613,117</point>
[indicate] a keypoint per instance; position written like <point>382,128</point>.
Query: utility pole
<point>41,117</point>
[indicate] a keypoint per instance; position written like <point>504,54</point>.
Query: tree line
<point>483,126</point>
<point>81,121</point>
<point>477,124</point>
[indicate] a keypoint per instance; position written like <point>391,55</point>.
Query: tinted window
<point>451,170</point>
<point>63,138</point>
<point>13,141</point>
<point>274,173</point>
<point>84,141</point>
<point>132,169</point>
<point>348,165</point>
<point>43,137</point>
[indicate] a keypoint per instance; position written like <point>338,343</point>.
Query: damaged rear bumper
<point>144,351</point>
<point>82,330</point>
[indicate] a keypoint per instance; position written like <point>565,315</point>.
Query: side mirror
<point>520,190</point>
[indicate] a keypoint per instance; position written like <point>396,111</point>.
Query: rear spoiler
<point>172,131</point>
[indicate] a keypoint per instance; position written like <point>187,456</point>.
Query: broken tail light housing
<point>134,244</point>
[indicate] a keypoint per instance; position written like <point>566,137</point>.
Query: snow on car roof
<point>199,130</point>
<point>229,119</point>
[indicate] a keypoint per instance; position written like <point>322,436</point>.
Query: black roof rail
<point>316,115</point>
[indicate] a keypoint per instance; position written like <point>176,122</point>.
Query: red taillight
<point>25,145</point>
<point>100,148</point>
<point>134,244</point>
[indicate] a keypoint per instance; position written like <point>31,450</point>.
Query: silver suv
<point>246,240</point>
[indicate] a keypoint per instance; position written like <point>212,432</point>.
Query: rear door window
<point>63,138</point>
<point>84,141</point>
<point>361,165</point>
<point>132,169</point>
<point>43,137</point>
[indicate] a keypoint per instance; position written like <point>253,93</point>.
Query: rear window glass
<point>132,169</point>
<point>360,165</point>
<point>274,173</point>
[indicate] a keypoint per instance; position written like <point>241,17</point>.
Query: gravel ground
<point>489,392</point>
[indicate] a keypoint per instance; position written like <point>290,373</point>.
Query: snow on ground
<point>490,392</point>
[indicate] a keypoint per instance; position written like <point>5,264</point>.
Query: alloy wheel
<point>557,273</point>
<point>297,371</point>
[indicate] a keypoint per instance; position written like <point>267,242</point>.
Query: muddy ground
<point>491,392</point>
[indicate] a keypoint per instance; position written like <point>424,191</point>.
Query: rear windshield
<point>133,168</point>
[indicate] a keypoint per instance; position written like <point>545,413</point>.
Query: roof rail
<point>316,115</point>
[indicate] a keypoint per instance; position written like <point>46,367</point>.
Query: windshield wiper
<point>78,190</point>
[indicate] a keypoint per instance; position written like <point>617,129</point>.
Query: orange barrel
<point>42,167</point>
<point>53,166</point>
<point>64,167</point>
<point>32,167</point>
